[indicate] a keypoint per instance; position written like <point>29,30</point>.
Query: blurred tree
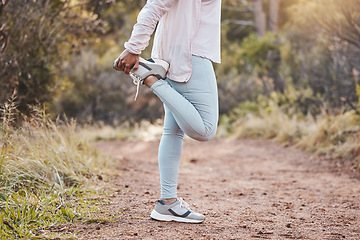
<point>3,35</point>
<point>97,92</point>
<point>48,46</point>
<point>274,15</point>
<point>250,66</point>
<point>243,16</point>
<point>262,57</point>
<point>238,17</point>
<point>114,12</point>
<point>325,47</point>
<point>345,23</point>
<point>40,35</point>
<point>343,30</point>
<point>259,18</point>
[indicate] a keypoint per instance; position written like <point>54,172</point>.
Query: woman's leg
<point>194,104</point>
<point>190,107</point>
<point>170,149</point>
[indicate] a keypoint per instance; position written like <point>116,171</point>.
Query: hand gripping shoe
<point>147,67</point>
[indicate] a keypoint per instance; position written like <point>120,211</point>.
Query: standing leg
<point>170,150</point>
<point>190,107</point>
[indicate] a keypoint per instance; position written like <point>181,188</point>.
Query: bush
<point>40,35</point>
<point>43,169</point>
<point>335,135</point>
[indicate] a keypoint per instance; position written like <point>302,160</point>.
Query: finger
<point>117,67</point>
<point>127,68</point>
<point>123,61</point>
<point>136,65</point>
<point>114,64</point>
<point>122,66</point>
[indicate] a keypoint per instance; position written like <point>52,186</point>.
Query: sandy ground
<point>247,189</point>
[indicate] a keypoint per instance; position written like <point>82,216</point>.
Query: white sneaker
<point>178,211</point>
<point>147,67</point>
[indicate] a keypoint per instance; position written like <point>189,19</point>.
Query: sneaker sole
<point>168,218</point>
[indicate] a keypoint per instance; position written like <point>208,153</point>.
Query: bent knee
<point>205,138</point>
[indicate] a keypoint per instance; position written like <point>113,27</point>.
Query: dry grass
<point>337,136</point>
<point>46,168</point>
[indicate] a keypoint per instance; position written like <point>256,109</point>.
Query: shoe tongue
<point>150,60</point>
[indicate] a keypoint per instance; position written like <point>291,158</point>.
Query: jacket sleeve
<point>147,19</point>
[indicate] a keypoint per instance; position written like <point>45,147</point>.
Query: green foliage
<point>358,92</point>
<point>99,93</point>
<point>324,55</point>
<point>263,57</point>
<point>40,36</point>
<point>238,17</point>
<point>333,134</point>
<point>308,55</point>
<point>253,68</point>
<point>62,51</point>
<point>234,12</point>
<point>95,91</point>
<point>25,214</point>
<point>255,53</point>
<point>43,167</point>
<point>314,58</point>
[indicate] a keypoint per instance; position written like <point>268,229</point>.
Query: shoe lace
<point>137,81</point>
<point>184,204</point>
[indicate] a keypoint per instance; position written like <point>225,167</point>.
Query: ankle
<point>169,200</point>
<point>150,80</point>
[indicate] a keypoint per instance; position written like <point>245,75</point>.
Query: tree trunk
<point>260,21</point>
<point>274,15</point>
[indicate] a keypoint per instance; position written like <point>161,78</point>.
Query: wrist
<point>132,48</point>
<point>127,50</point>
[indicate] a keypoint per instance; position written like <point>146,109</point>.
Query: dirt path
<point>247,189</point>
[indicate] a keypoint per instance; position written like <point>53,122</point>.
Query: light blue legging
<point>190,108</point>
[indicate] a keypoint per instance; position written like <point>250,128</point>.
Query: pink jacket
<point>186,27</point>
